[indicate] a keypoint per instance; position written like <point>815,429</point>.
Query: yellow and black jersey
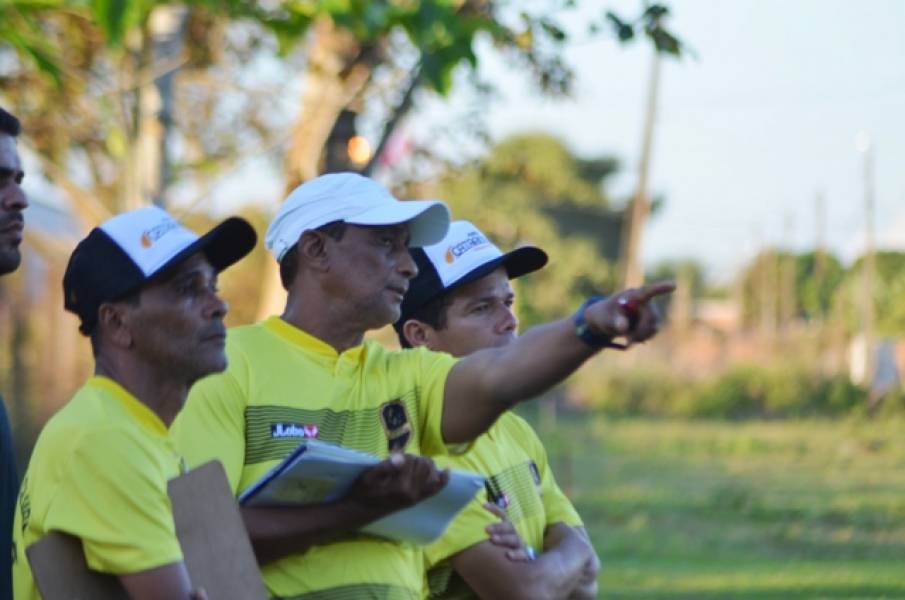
<point>282,386</point>
<point>99,472</point>
<point>519,480</point>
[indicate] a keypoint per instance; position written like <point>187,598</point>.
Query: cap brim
<point>518,262</point>
<point>428,220</point>
<point>223,245</point>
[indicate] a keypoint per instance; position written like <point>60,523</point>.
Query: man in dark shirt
<point>12,203</point>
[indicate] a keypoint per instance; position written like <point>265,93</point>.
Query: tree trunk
<point>338,69</point>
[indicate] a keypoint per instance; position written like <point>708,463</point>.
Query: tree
<point>126,101</point>
<point>529,189</point>
<point>778,286</point>
<point>690,286</point>
<point>889,289</point>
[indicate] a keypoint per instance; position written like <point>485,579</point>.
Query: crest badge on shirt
<point>535,473</point>
<point>395,420</point>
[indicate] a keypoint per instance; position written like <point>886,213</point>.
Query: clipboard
<point>317,472</point>
<point>215,547</point>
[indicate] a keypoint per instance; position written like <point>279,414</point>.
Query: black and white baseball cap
<point>356,200</point>
<point>124,252</point>
<point>463,256</point>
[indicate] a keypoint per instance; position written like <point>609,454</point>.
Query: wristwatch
<point>584,333</point>
<point>596,340</point>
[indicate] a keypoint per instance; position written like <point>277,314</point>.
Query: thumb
<point>620,323</point>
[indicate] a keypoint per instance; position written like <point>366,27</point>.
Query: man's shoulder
<point>242,335</point>
<point>514,431</point>
<point>82,430</point>
<point>403,357</point>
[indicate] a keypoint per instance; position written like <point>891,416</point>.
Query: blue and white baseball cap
<point>463,256</point>
<point>127,250</point>
<point>353,199</point>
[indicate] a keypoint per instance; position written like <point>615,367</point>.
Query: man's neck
<point>322,318</point>
<point>338,333</point>
<point>156,390</point>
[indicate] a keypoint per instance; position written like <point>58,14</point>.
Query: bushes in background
<point>745,391</point>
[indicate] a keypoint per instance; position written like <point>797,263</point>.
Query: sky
<point>749,131</point>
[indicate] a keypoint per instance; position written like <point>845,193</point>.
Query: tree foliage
<point>515,195</point>
<point>822,288</point>
<point>889,289</point>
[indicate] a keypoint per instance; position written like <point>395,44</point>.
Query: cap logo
<point>474,240</point>
<point>158,231</point>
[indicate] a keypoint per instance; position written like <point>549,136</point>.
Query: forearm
<point>490,573</point>
<point>168,582</point>
<point>564,560</point>
<point>277,532</point>
<point>586,584</point>
<point>487,383</point>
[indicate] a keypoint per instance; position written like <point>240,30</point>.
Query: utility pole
<point>633,275</point>
<point>167,25</point>
<point>868,267</point>
<point>820,243</point>
<point>787,300</point>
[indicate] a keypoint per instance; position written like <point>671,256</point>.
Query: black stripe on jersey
<point>359,429</point>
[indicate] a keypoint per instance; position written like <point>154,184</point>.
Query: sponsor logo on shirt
<point>293,430</point>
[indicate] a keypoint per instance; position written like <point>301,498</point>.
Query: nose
<point>216,307</point>
<point>406,265</point>
<point>12,198</point>
<point>508,321</point>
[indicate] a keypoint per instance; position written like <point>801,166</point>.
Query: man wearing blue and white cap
<point>145,290</point>
<point>343,245</point>
<point>461,302</point>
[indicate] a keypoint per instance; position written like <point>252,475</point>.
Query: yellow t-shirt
<point>99,472</point>
<point>519,480</point>
<point>283,385</point>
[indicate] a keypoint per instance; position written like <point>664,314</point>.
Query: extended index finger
<point>653,290</point>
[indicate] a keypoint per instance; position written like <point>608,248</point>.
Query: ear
<point>417,333</point>
<point>113,323</point>
<point>312,249</point>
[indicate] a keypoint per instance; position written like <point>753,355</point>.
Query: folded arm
<point>168,582</point>
<point>556,574</point>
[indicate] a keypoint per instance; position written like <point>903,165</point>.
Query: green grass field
<point>812,509</point>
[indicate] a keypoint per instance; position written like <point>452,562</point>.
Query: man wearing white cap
<point>342,242</point>
<point>461,302</point>
<point>145,290</point>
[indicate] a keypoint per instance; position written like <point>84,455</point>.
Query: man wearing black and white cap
<point>461,302</point>
<point>145,290</point>
<point>343,245</point>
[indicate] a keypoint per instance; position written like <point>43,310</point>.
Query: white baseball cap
<point>124,252</point>
<point>357,200</point>
<point>464,255</point>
